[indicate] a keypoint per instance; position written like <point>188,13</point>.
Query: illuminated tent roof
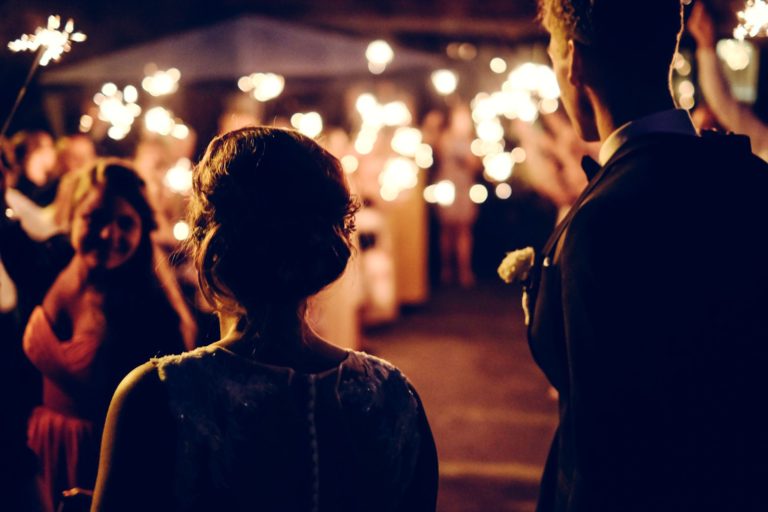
<point>235,48</point>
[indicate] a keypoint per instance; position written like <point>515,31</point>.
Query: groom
<point>651,299</point>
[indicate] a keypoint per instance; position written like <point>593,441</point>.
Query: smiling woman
<point>107,310</point>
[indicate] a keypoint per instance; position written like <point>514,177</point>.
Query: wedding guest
<point>33,158</point>
<point>459,166</point>
<point>649,299</point>
<point>104,304</point>
<point>75,152</point>
<point>271,417</point>
<point>733,115</point>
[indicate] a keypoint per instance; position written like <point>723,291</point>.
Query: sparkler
<point>753,20</point>
<point>50,43</point>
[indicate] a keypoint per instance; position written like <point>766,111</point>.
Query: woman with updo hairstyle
<point>271,417</point>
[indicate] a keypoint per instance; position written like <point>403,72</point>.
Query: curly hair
<point>632,34</point>
<point>271,217</point>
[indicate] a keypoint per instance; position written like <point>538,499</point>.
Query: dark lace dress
<point>257,437</point>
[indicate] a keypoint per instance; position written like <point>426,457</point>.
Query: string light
<point>263,86</point>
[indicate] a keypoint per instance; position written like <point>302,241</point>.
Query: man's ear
<point>574,56</point>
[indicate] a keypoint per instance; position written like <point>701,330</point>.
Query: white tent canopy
<point>234,48</point>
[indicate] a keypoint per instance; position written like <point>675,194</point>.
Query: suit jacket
<point>650,318</point>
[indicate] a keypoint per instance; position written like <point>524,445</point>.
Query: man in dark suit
<point>650,301</point>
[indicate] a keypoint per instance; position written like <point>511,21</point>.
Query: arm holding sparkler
<point>732,114</point>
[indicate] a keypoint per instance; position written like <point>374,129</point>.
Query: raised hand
<point>701,26</point>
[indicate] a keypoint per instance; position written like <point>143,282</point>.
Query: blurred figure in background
<point>731,114</point>
<point>75,152</point>
<point>111,305</point>
<point>33,157</point>
<point>458,165</point>
<point>271,417</point>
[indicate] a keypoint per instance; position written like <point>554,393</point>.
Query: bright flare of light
<point>399,174</point>
<point>180,131</point>
<point>429,194</point>
<point>263,86</point>
<point>159,120</point>
<point>736,54</point>
<point>681,64</point>
<point>498,65</point>
<point>115,109</point>
<point>406,141</point>
<point>503,191</point>
<point>490,131</point>
<point>366,139</point>
<point>309,124</point>
<point>160,82</point>
<point>130,94</point>
<point>445,193</point>
<point>181,231</point>
<point>549,106</point>
<point>179,177</point>
<point>753,20</point>
<point>396,113</point>
<point>379,53</point>
<point>686,88</point>
<point>86,123</point>
<point>349,163</point>
<point>519,155</point>
<point>687,102</point>
<point>478,194</point>
<point>54,42</point>
<point>499,167</point>
<point>445,81</point>
<point>424,157</point>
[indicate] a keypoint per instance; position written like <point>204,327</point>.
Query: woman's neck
<point>285,339</point>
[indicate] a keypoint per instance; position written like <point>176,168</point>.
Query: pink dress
<point>65,430</point>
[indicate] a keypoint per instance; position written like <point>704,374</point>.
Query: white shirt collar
<point>667,121</point>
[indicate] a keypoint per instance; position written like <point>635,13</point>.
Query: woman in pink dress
<point>108,310</point>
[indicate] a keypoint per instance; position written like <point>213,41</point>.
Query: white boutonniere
<point>516,268</point>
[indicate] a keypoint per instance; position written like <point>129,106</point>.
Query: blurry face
<point>41,161</point>
<point>79,153</point>
<point>105,234</point>
<point>573,91</point>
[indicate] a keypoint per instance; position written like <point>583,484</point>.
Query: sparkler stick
<point>49,43</point>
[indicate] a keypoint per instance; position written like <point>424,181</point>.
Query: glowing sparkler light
<point>445,193</point>
<point>424,157</point>
<point>115,109</point>
<point>263,86</point>
<point>160,82</point>
<point>179,177</point>
<point>349,163</point>
<point>181,231</point>
<point>498,65</point>
<point>503,191</point>
<point>753,20</point>
<point>499,167</point>
<point>55,42</point>
<point>379,54</point>
<point>159,120</point>
<point>309,124</point>
<point>736,54</point>
<point>478,194</point>
<point>399,174</point>
<point>406,141</point>
<point>445,81</point>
